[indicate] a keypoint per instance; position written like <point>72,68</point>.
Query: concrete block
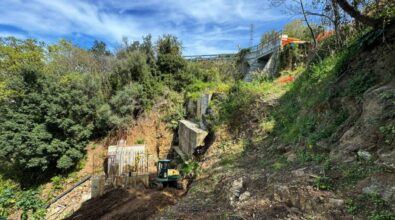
<point>197,108</point>
<point>190,137</point>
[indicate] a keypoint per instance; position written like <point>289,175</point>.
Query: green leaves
<point>45,127</point>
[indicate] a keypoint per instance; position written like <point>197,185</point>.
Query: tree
<point>15,54</point>
<point>308,23</point>
<point>99,48</point>
<point>45,126</point>
<point>269,36</point>
<point>64,57</point>
<point>169,60</point>
<point>357,15</point>
<point>169,44</point>
<point>297,29</point>
<point>148,48</point>
<point>132,68</point>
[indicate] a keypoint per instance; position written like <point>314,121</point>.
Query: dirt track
<point>127,204</point>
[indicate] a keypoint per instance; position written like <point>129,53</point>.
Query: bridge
<point>263,57</point>
<point>222,56</point>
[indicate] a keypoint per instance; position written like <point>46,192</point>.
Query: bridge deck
<point>224,56</point>
<point>256,52</point>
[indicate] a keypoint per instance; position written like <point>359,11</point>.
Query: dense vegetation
<point>54,98</point>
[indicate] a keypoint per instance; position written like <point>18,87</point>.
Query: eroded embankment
<point>334,159</point>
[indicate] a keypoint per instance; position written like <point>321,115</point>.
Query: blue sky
<point>203,26</point>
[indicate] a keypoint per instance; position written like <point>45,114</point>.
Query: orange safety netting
<point>286,79</point>
<point>288,40</point>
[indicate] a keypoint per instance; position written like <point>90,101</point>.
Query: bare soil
<point>127,204</point>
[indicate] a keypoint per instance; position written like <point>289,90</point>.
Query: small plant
<point>189,168</point>
<point>224,145</point>
<point>323,183</point>
<point>139,141</point>
<point>280,164</point>
<point>351,207</point>
<point>57,182</point>
<point>267,126</point>
<point>389,133</point>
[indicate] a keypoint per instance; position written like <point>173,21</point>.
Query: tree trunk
<point>308,24</point>
<point>336,22</point>
<point>357,15</point>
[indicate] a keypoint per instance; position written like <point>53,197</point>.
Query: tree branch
<point>357,15</point>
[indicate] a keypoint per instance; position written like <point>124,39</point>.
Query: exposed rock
<point>336,202</point>
<point>244,196</point>
<point>363,134</point>
<point>364,155</point>
<point>388,159</point>
<point>299,172</point>
<point>85,197</point>
<point>236,187</point>
<point>235,190</point>
<point>190,136</point>
<point>291,157</point>
<point>383,185</point>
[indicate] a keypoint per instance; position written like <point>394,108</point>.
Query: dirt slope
<point>270,180</point>
<point>127,204</point>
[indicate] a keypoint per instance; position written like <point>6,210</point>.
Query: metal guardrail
<point>256,51</point>
<point>224,56</point>
<point>266,48</point>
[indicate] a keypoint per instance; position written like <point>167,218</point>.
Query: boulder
<point>364,155</point>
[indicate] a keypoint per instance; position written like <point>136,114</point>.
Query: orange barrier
<point>286,79</point>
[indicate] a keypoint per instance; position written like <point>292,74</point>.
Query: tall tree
<point>308,23</point>
<point>357,15</point>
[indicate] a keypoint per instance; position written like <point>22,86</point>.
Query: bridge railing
<point>256,51</point>
<point>265,48</point>
<point>225,56</point>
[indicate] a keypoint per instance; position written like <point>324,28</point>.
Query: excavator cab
<point>166,176</point>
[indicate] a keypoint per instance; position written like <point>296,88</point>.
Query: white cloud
<point>200,23</point>
<point>11,34</point>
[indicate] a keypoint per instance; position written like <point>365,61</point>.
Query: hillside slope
<point>321,148</point>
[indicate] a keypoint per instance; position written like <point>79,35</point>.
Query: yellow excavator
<point>166,176</point>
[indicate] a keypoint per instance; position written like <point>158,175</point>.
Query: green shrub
<point>7,201</point>
<point>30,202</point>
<point>189,168</point>
<point>57,182</point>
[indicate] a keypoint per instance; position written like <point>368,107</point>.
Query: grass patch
<point>359,83</point>
<point>358,170</point>
<point>370,205</point>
